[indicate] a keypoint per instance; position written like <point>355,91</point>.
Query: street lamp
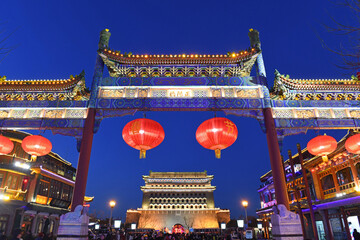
<point>112,204</point>
<point>245,204</point>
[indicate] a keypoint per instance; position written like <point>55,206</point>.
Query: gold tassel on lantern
<point>217,153</point>
<point>33,158</point>
<point>325,158</point>
<point>142,153</point>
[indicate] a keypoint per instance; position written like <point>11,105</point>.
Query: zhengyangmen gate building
<point>182,82</point>
<point>183,199</point>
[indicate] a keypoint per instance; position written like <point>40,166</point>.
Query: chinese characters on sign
<point>179,93</point>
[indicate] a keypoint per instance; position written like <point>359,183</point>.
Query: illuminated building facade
<point>178,199</point>
<point>333,187</point>
<point>33,195</point>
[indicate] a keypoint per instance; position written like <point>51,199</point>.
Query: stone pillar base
<point>74,225</point>
<point>286,225</point>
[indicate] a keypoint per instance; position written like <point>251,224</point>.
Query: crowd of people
<point>21,235</point>
<point>130,235</point>
<point>158,235</point>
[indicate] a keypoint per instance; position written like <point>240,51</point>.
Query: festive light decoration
<point>143,134</point>
<point>6,145</point>
<point>217,134</point>
<point>322,145</point>
<point>352,144</point>
<point>36,146</point>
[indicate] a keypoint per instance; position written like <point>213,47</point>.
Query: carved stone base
<point>74,225</point>
<point>286,225</point>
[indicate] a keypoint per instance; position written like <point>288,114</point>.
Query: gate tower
<point>171,198</point>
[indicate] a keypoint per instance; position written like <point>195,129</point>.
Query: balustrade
<point>347,186</point>
<point>345,189</point>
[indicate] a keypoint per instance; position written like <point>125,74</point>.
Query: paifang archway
<point>179,83</point>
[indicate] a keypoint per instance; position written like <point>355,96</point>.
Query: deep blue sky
<point>55,39</point>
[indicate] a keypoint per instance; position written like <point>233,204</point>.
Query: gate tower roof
<point>40,84</point>
<point>180,59</point>
<point>315,84</point>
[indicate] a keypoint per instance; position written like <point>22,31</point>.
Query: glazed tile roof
<point>40,84</point>
<point>169,59</point>
<point>320,84</point>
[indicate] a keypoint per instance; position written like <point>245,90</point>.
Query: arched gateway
<point>178,228</point>
<point>180,82</point>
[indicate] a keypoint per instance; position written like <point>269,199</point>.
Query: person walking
<point>356,235</point>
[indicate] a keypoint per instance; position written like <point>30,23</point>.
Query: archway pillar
<point>285,224</point>
<point>281,193</point>
<point>84,160</point>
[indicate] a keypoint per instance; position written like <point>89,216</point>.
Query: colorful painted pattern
<point>179,83</point>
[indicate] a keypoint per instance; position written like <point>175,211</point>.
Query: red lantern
<point>36,146</point>
<point>143,134</point>
<point>6,145</point>
<point>217,134</point>
<point>352,144</point>
<point>322,145</point>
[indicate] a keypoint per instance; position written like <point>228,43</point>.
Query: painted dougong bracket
<point>110,113</point>
<point>282,133</point>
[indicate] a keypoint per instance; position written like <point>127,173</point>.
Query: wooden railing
<point>345,189</point>
<point>347,186</point>
<point>330,190</point>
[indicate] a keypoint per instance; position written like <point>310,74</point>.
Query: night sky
<point>56,39</point>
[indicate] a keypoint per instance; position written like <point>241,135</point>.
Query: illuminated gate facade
<point>180,82</point>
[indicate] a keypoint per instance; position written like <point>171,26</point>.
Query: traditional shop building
<point>178,201</point>
<point>33,195</point>
<point>334,191</point>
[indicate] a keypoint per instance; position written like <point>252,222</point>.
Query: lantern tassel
<point>218,153</point>
<point>325,158</point>
<point>142,153</point>
<point>33,158</point>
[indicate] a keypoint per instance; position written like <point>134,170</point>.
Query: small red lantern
<point>352,144</point>
<point>143,134</point>
<point>322,145</point>
<point>217,134</point>
<point>36,146</point>
<point>6,145</point>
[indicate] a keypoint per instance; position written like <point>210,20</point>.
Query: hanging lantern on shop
<point>6,145</point>
<point>143,134</point>
<point>352,144</point>
<point>217,134</point>
<point>36,146</point>
<point>322,146</point>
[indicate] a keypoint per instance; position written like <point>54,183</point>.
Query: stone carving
<point>72,216</point>
<point>254,38</point>
<point>104,39</point>
<point>80,91</point>
<point>279,87</point>
<point>283,213</point>
<point>74,225</point>
<point>286,225</point>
